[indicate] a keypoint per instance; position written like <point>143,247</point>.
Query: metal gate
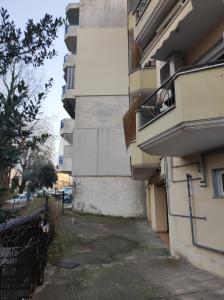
<point>23,255</point>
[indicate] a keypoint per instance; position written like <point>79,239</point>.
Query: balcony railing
<point>66,28</point>
<point>160,102</point>
<point>66,57</point>
<point>140,8</point>
<point>64,89</point>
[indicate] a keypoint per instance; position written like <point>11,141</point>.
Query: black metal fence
<point>160,102</point>
<point>23,255</point>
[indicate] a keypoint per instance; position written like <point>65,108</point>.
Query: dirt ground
<point>104,258</point>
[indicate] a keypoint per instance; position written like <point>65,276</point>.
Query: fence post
<point>62,205</point>
<point>46,203</point>
<point>14,201</point>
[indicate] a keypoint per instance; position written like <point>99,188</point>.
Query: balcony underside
<point>71,40</point>
<point>187,138</point>
<point>143,172</point>
<point>175,38</point>
<point>69,106</point>
<point>72,13</point>
<point>68,137</point>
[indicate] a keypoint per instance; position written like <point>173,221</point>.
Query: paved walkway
<point>102,258</point>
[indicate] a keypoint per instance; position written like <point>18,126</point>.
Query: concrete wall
<point>117,196</point>
<point>100,152</point>
<point>100,162</point>
<point>103,13</point>
<point>101,111</point>
<point>208,232</point>
<point>102,62</point>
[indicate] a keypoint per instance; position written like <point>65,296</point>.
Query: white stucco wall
<point>116,196</point>
<point>208,232</point>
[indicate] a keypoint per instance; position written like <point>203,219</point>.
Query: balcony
<point>71,37</point>
<point>65,164</point>
<point>185,115</point>
<point>69,65</point>
<point>142,80</point>
<point>68,150</point>
<point>68,99</point>
<point>143,165</point>
<point>69,60</point>
<point>72,13</point>
<point>149,15</point>
<point>163,29</point>
<point>66,131</point>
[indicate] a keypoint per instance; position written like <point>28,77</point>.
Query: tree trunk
<point>22,186</point>
<point>4,184</point>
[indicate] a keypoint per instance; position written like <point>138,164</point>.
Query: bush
<point>7,214</point>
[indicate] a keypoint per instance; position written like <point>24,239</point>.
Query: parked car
<point>68,190</point>
<point>68,198</point>
<point>17,198</point>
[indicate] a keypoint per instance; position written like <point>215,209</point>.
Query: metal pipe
<point>62,204</point>
<point>189,177</point>
<point>168,197</point>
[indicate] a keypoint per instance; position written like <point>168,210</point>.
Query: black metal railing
<point>140,8</point>
<point>161,101</point>
<point>23,256</point>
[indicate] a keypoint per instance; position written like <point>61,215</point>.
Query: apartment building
<point>66,145</point>
<point>180,125</point>
<point>96,98</point>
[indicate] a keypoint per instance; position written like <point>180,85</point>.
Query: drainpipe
<point>190,198</point>
<point>168,197</point>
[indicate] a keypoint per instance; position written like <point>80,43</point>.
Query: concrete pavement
<point>103,258</point>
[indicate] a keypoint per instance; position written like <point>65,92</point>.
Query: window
<point>218,183</point>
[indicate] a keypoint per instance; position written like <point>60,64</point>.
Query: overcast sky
<point>20,11</point>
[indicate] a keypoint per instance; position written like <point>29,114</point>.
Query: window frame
<point>218,182</point>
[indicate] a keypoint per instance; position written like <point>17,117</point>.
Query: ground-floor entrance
<point>157,210</point>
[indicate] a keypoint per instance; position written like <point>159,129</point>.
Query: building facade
<point>96,97</point>
<point>174,127</point>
